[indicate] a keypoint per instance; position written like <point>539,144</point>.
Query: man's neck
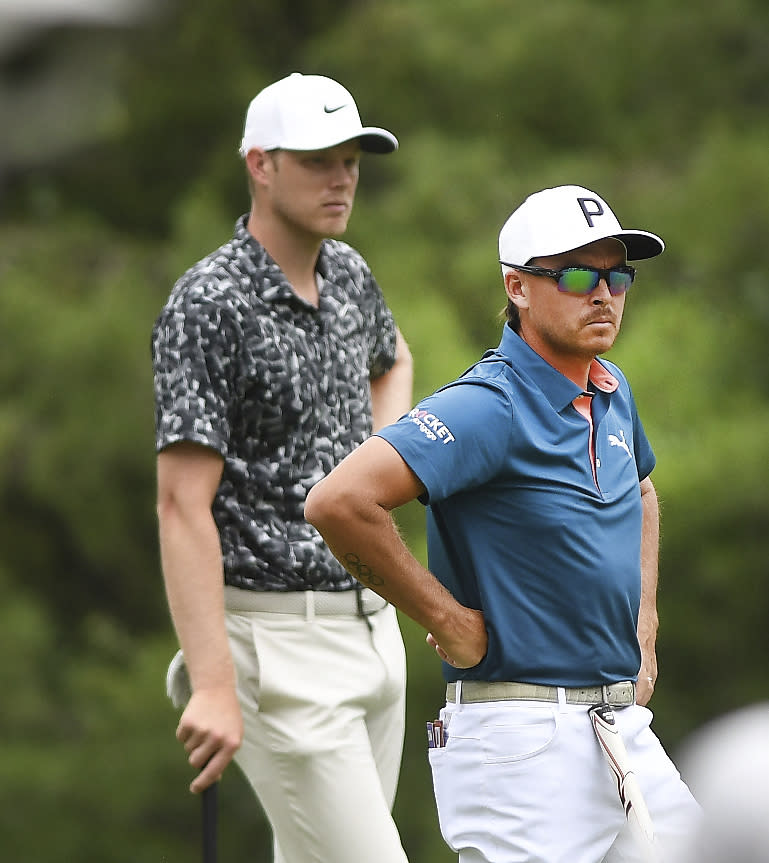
<point>296,254</point>
<point>575,368</point>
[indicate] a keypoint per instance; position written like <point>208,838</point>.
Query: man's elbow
<point>332,507</point>
<point>166,505</point>
<point>319,507</point>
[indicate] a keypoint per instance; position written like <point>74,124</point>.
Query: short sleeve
<point>192,349</point>
<point>383,344</point>
<point>456,439</point>
<point>644,455</point>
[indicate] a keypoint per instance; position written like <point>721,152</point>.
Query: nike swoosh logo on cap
<point>333,110</point>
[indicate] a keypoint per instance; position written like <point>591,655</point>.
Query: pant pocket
<point>518,734</point>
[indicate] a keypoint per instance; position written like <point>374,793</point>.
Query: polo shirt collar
<point>272,284</point>
<point>556,387</point>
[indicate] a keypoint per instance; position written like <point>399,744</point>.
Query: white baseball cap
<point>558,220</point>
<point>308,112</point>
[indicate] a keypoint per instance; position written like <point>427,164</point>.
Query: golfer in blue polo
<point>543,532</point>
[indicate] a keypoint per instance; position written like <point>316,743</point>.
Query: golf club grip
<point>209,803</point>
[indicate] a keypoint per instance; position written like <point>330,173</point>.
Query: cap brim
<point>640,244</point>
<point>371,138</point>
<point>376,140</point>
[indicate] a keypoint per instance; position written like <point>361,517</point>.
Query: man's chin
<point>337,227</point>
<point>598,344</point>
<point>604,346</point>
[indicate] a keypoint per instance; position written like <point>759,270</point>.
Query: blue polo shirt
<point>524,524</point>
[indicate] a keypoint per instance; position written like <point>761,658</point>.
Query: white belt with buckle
<point>356,603</point>
<point>620,694</point>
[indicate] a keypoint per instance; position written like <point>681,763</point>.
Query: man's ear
<point>259,163</point>
<point>516,290</point>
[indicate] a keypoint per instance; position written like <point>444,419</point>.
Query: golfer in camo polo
<point>275,356</point>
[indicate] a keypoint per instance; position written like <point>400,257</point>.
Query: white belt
<point>620,694</point>
<point>357,603</point>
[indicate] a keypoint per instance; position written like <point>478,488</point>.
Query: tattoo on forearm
<point>361,571</point>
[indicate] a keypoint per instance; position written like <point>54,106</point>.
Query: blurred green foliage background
<point>118,170</point>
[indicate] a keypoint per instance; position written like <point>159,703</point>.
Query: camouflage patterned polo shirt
<point>276,386</point>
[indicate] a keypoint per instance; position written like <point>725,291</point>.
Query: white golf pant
<point>323,707</point>
<point>526,782</point>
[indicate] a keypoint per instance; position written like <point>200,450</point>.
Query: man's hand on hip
<point>465,644</point>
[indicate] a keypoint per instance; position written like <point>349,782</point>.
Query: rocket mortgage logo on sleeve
<point>432,427</point>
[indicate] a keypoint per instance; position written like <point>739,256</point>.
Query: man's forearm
<point>193,575</point>
<point>648,620</point>
<point>372,551</point>
<point>364,538</point>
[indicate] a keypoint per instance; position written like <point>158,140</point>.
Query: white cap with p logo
<point>563,218</point>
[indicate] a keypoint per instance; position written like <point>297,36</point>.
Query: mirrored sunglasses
<point>583,280</point>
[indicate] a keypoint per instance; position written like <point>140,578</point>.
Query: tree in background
<point>663,108</point>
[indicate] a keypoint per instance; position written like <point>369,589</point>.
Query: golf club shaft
<point>209,803</point>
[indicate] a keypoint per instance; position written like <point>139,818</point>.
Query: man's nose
<point>341,174</point>
<point>601,294</point>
